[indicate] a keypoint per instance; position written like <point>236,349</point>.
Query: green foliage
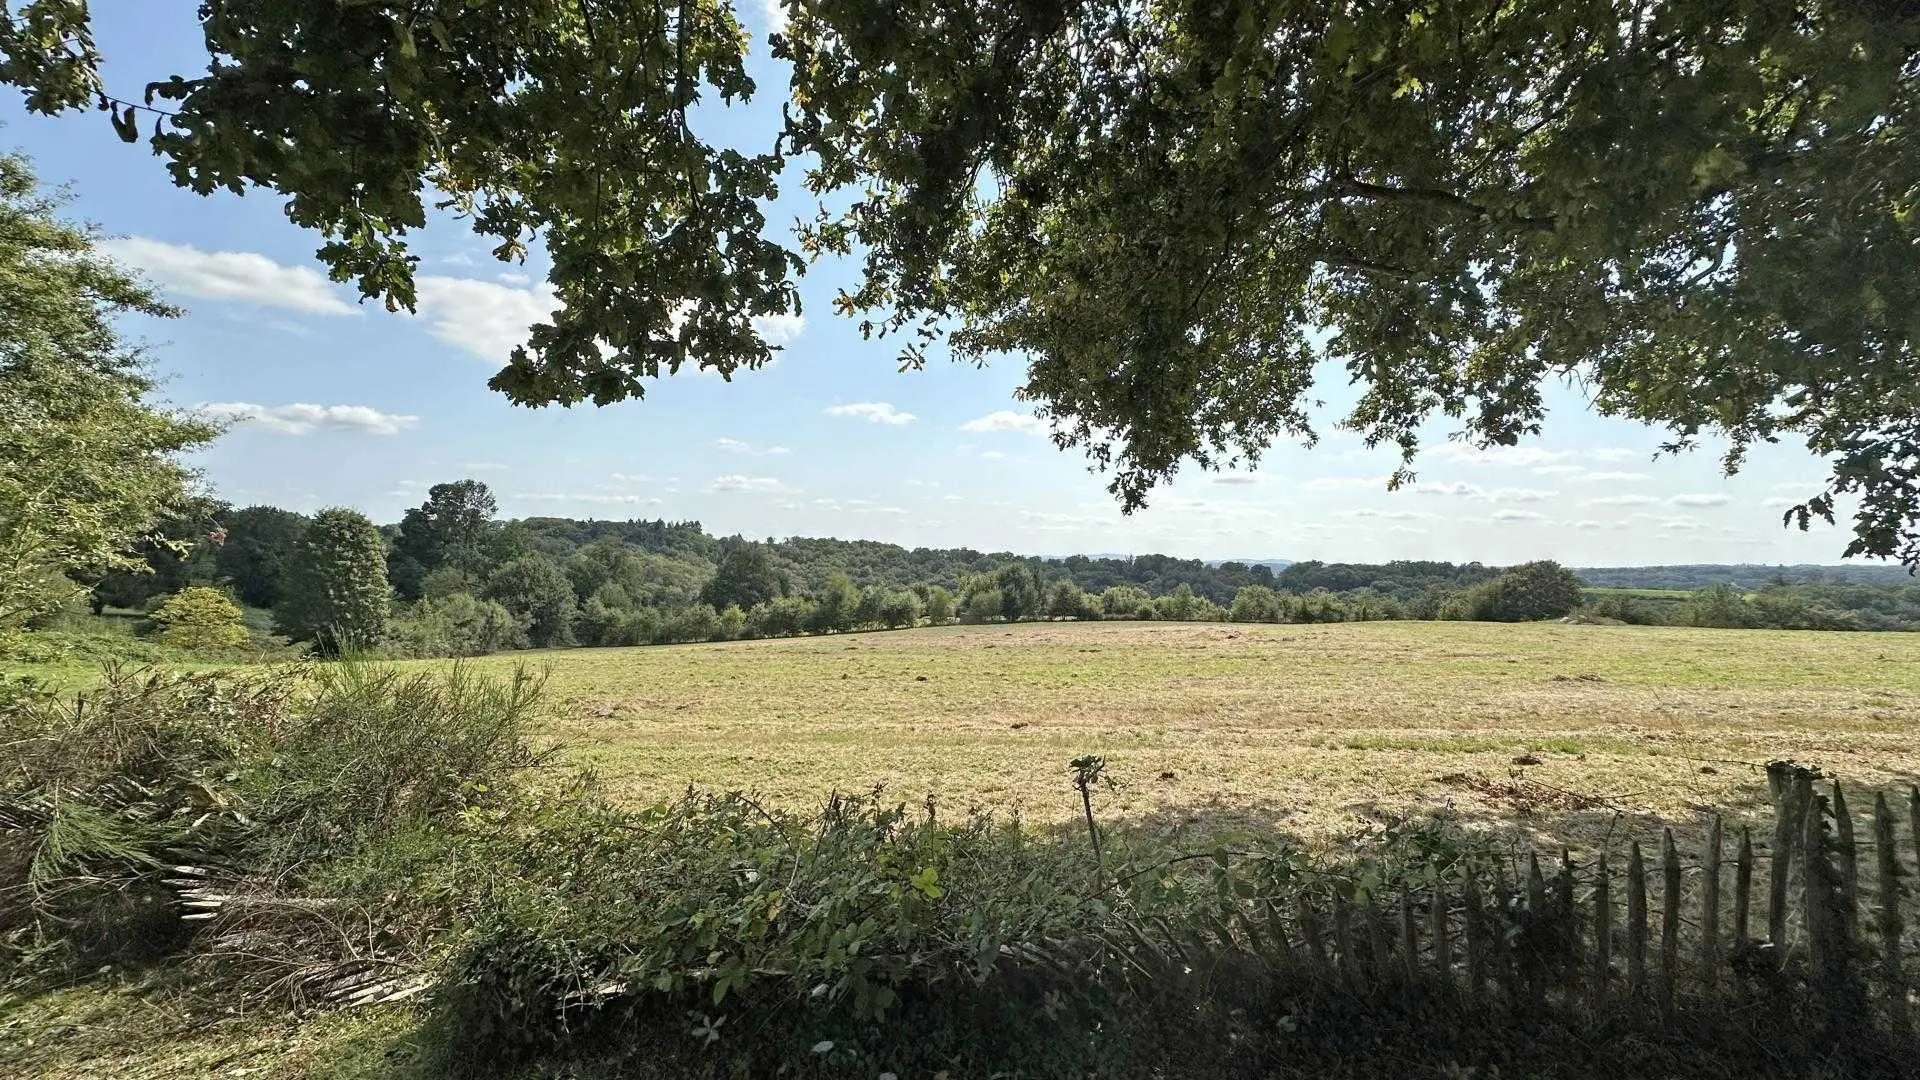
<point>744,577</point>
<point>258,788</point>
<point>335,593</point>
<point>1425,197</point>
<point>899,608</point>
<point>455,625</point>
<point>1526,593</point>
<point>1255,603</point>
<point>452,529</point>
<point>939,605</point>
<point>1716,605</point>
<point>834,607</point>
<point>1125,602</point>
<point>183,552</point>
<point>1424,185</point>
<point>568,122</point>
<point>537,592</point>
<point>981,605</point>
<point>252,555</point>
<point>200,618</point>
<point>88,469</point>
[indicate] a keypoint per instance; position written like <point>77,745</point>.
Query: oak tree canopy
<point>1706,213</point>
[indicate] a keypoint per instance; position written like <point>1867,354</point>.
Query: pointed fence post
<point>1343,939</point>
<point>1475,943</point>
<point>1781,856</point>
<point>1535,964</point>
<point>1816,898</point>
<point>1636,922</point>
<point>1669,921</point>
<point>1710,911</point>
<point>1602,931</point>
<point>1442,946</point>
<point>1846,853</point>
<point>1567,921</point>
<point>1409,940</point>
<point>1888,922</point>
<point>1743,889</point>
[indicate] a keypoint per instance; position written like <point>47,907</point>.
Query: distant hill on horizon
<point>1741,575</point>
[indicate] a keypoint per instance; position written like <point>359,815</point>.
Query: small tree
<point>834,608</point>
<point>900,608</point>
<point>745,577</point>
<point>939,605</point>
<point>336,593</point>
<point>1528,592</point>
<point>1720,605</point>
<point>1124,601</point>
<point>1019,591</point>
<point>200,617</point>
<point>1255,603</point>
<point>873,601</point>
<point>536,590</point>
<point>981,605</point>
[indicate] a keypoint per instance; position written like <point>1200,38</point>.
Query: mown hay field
<point>1552,731</point>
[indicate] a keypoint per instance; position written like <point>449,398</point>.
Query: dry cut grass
<point>1568,732</point>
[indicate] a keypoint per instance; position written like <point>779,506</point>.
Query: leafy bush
<point>453,626</point>
<point>211,813</point>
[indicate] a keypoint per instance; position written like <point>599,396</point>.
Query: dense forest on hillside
<point>451,579</point>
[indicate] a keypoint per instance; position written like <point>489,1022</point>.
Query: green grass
<point>1314,729</point>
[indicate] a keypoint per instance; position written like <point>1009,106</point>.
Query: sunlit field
<point>1567,731</point>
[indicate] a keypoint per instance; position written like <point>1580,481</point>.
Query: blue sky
<point>336,403</point>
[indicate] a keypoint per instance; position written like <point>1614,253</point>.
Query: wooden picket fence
<point>1812,912</point>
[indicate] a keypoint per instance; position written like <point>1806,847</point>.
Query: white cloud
<point>1519,456</point>
<point>1624,500</point>
<point>1467,490</point>
<point>1560,470</point>
<point>877,412</point>
<point>735,446</point>
<point>230,275</point>
<point>1340,483</point>
<point>1497,495</point>
<point>301,419</point>
<point>1615,477</point>
<point>594,497</point>
<point>782,329</point>
<point>1517,515</point>
<point>1520,495</point>
<point>484,466</point>
<point>736,482</point>
<point>1700,500</point>
<point>1680,525</point>
<point>1780,503</point>
<point>485,318</point>
<point>1616,454</point>
<point>1800,487</point>
<point>1005,420</point>
<point>776,13</point>
<point>1236,479</point>
<point>992,455</point>
<point>1389,515</point>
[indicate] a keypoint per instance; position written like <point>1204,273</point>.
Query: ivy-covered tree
<point>89,470</point>
<point>335,593</point>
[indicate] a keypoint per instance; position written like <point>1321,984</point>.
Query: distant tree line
<point>450,579</point>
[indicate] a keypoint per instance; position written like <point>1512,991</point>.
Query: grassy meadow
<point>1557,730</point>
